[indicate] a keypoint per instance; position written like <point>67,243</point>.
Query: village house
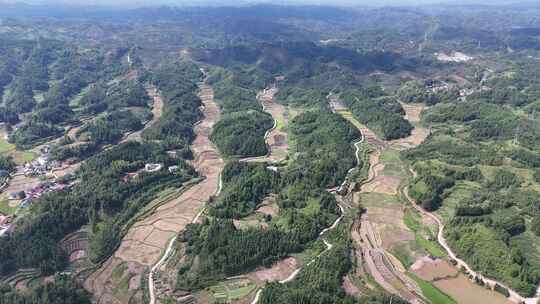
<point>152,167</point>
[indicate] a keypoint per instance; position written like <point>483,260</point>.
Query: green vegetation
<point>245,186</point>
<point>379,112</point>
<point>485,187</point>
<point>177,84</point>
<point>5,146</point>
<point>104,200</point>
<point>305,207</point>
<point>323,145</point>
<point>241,129</point>
<point>61,291</point>
<point>7,164</point>
<point>5,208</point>
<point>241,134</point>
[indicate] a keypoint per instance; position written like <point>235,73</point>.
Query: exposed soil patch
<point>350,288</point>
<point>278,272</point>
<point>458,286</point>
<point>413,113</point>
<point>268,210</point>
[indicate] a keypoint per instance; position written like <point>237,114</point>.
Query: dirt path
<point>146,240</point>
<point>157,111</point>
<point>276,138</point>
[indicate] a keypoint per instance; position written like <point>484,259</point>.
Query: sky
<point>138,3</point>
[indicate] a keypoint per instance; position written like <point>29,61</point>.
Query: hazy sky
<point>133,3</point>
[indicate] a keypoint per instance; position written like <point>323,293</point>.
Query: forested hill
<point>306,56</point>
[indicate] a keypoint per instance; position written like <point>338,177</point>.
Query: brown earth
<point>278,272</point>
<point>147,239</point>
<point>268,210</point>
<point>413,113</point>
<point>458,286</point>
<point>350,288</point>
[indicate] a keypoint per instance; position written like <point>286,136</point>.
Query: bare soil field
<point>278,272</point>
<point>147,239</point>
<point>413,113</point>
<point>458,286</point>
<point>350,288</point>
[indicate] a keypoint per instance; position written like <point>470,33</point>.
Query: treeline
<point>323,146</point>
<point>245,186</point>
<point>487,122</point>
<point>381,113</point>
<point>7,163</point>
<point>62,291</point>
<point>105,200</point>
<point>242,126</point>
<point>33,133</point>
<point>217,249</point>
<point>298,96</point>
<point>241,134</point>
<point>231,92</point>
<point>177,84</point>
<point>127,104</point>
<point>126,93</point>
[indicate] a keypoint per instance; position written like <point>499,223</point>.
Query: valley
<point>262,154</point>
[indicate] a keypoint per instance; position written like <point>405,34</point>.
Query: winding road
<point>514,296</point>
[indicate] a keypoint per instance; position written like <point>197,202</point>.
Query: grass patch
<point>430,246</point>
<point>431,292</point>
<point>402,252</point>
<point>118,271</point>
<point>374,199</point>
<point>312,250</point>
<point>241,292</point>
<point>312,208</point>
<point>124,284</point>
<point>412,220</point>
<point>223,294</point>
<point>5,208</point>
<point>4,145</point>
<point>349,116</point>
<point>28,156</point>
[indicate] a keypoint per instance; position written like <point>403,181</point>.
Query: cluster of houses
<point>42,164</point>
<point>149,168</point>
<point>31,194</point>
<point>27,197</point>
